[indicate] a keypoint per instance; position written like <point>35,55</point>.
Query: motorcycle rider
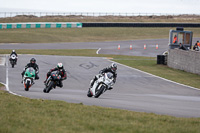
<point>14,53</point>
<point>62,71</point>
<point>112,69</point>
<point>34,66</point>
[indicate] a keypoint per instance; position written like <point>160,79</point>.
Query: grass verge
<point>84,34</point>
<point>22,115</point>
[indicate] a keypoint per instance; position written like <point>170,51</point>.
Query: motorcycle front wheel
<point>12,64</point>
<point>99,91</point>
<point>48,88</point>
<point>27,86</point>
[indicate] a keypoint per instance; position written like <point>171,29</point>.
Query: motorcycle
<point>102,84</point>
<point>29,77</point>
<point>52,81</point>
<point>13,60</point>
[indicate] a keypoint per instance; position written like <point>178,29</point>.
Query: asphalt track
<point>134,90</point>
<point>106,47</point>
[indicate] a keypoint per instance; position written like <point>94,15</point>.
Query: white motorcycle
<point>103,83</point>
<point>13,60</point>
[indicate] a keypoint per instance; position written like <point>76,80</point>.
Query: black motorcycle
<point>52,81</point>
<point>13,60</point>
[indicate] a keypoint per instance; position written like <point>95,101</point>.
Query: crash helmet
<point>13,50</point>
<point>60,66</point>
<point>113,67</point>
<point>33,60</point>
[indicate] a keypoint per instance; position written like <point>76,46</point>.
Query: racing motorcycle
<point>29,77</point>
<point>102,84</point>
<point>13,60</point>
<point>52,81</point>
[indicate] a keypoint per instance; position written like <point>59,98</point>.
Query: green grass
<point>22,115</point>
<point>1,85</point>
<point>67,52</point>
<point>84,34</point>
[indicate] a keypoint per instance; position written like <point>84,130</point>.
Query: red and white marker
<point>145,47</point>
<point>156,46</point>
<point>131,47</point>
<point>119,47</point>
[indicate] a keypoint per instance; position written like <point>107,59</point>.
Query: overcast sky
<point>115,6</point>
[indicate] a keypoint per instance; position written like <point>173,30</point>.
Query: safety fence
<point>41,25</point>
<point>92,14</point>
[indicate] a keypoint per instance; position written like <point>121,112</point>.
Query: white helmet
<point>59,65</point>
<point>113,67</point>
<point>13,50</point>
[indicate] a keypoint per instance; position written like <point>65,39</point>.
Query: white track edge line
<point>97,52</point>
<point>7,81</point>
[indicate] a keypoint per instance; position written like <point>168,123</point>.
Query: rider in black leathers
<point>62,71</point>
<point>13,52</point>
<point>112,69</point>
<point>34,66</point>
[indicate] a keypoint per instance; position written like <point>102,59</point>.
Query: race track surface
<point>134,90</point>
<point>106,47</point>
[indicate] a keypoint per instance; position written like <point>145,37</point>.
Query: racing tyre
<point>27,86</point>
<point>99,91</point>
<point>89,94</point>
<point>49,87</point>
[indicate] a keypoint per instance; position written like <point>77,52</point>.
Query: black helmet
<point>33,60</point>
<point>113,67</point>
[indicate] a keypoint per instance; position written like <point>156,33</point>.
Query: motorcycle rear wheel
<point>89,94</point>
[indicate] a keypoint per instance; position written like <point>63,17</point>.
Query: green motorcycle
<point>29,77</point>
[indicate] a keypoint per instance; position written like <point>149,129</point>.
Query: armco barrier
<point>41,25</point>
<point>141,24</point>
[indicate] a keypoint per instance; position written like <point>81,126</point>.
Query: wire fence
<point>85,14</point>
